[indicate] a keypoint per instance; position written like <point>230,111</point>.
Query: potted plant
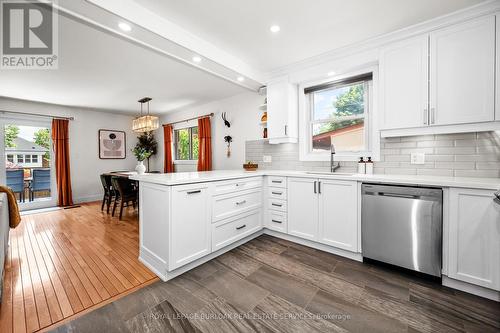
<point>141,154</point>
<point>148,142</point>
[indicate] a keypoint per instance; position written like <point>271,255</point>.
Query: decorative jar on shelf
<point>264,117</point>
<point>140,168</point>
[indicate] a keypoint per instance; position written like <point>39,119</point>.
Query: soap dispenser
<point>361,166</point>
<point>369,166</point>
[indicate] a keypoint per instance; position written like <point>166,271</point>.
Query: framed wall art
<point>112,144</point>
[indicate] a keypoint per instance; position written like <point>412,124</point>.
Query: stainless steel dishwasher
<point>403,226</point>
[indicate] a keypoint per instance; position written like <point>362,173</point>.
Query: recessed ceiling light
<point>196,59</point>
<point>240,78</point>
<point>275,28</point>
<point>124,26</point>
<point>331,73</point>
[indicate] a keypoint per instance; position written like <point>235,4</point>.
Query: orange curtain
<point>205,147</point>
<point>60,141</point>
<point>167,140</point>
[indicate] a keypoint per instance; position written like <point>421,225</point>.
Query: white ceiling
<point>308,27</point>
<point>99,70</point>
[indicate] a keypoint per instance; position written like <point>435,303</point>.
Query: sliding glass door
<point>26,163</point>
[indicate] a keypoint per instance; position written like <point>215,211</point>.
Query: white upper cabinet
<point>474,237</point>
<point>462,73</point>
<point>403,80</point>
<point>338,214</point>
<point>446,77</point>
<point>282,111</point>
<point>303,208</point>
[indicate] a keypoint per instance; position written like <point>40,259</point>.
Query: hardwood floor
<point>271,285</point>
<point>64,262</point>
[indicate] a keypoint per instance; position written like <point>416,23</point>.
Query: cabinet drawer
<point>236,185</point>
<point>276,193</point>
<point>229,231</point>
<point>276,204</point>
<point>276,220</point>
<point>227,205</point>
<point>275,181</point>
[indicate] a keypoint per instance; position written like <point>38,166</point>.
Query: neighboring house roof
<point>23,145</point>
<point>337,132</point>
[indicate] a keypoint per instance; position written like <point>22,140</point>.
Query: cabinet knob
<point>240,202</point>
<point>241,227</point>
<point>276,221</point>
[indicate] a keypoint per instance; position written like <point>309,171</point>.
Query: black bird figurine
<point>225,120</point>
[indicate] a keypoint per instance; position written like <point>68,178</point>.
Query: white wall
<point>244,115</point>
<point>84,150</point>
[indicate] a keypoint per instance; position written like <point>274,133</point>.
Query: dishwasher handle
<point>396,195</point>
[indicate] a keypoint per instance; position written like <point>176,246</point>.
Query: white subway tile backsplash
<point>455,150</point>
<point>462,154</point>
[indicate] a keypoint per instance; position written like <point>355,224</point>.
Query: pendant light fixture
<point>145,123</point>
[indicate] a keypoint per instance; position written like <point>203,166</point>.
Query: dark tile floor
<point>271,285</point>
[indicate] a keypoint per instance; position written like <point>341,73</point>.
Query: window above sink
<point>341,112</point>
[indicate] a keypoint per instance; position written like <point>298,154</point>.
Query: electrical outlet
<point>267,158</point>
<point>417,158</point>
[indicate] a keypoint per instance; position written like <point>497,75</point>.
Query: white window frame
<point>33,158</point>
<point>371,121</point>
<point>183,125</point>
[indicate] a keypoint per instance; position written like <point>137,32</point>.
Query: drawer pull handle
<point>276,221</point>
<point>241,202</point>
<point>277,205</point>
<point>277,193</point>
<point>194,192</point>
<point>241,227</point>
<point>277,181</point>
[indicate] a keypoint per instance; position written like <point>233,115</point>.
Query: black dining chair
<point>125,193</point>
<point>109,192</point>
<point>15,180</point>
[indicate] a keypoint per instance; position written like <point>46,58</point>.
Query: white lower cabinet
<point>325,211</point>
<point>233,229</point>
<point>303,208</point>
<point>474,237</point>
<point>338,214</point>
<point>190,228</point>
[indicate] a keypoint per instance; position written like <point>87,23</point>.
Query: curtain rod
<point>185,120</point>
<point>37,115</point>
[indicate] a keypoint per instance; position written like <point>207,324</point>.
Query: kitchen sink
<point>330,173</point>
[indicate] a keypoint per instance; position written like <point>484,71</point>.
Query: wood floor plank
<point>18,325</point>
<point>32,323</point>
<point>42,308</point>
<point>48,288</point>
<point>60,291</point>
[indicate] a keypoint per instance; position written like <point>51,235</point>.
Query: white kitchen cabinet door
<point>282,111</point>
<point>338,214</point>
<point>190,236</point>
<point>474,237</point>
<point>462,73</point>
<point>403,83</point>
<point>303,208</point>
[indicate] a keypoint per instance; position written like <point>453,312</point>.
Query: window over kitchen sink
<point>338,112</point>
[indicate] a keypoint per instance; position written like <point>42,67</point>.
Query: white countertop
<point>209,176</point>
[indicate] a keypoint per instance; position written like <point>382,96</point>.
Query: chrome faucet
<point>332,166</point>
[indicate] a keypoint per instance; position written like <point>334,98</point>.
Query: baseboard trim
<point>471,288</point>
<point>318,246</point>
